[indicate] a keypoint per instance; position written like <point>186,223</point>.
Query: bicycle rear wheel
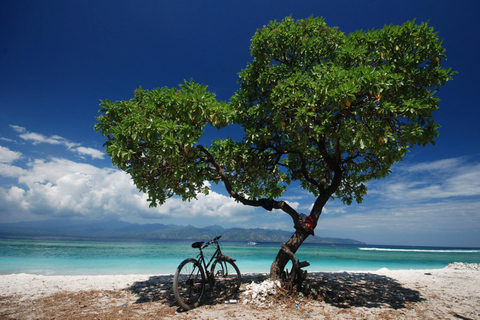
<point>189,284</point>
<point>227,277</point>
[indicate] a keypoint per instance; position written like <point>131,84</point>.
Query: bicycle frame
<point>193,274</point>
<point>202,261</point>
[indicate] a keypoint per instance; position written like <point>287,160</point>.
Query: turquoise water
<point>75,257</point>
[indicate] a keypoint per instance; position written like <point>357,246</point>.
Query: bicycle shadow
<point>156,288</point>
<point>160,289</point>
<point>345,290</point>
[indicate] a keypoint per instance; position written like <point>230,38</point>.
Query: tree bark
<point>289,249</point>
<point>283,256</point>
<point>294,280</point>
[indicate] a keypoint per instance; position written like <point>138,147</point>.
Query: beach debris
<point>231,301</point>
<point>463,266</point>
<point>257,293</point>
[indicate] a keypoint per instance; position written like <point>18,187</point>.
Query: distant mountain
<point>114,229</point>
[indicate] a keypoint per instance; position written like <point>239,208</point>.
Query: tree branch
<point>267,204</point>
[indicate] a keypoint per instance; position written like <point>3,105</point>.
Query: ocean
<point>91,257</point>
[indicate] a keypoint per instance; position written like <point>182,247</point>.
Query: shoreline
<point>149,274</point>
<point>248,272</point>
<point>449,293</point>
<point>137,274</point>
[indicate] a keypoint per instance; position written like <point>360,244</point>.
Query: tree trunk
<point>282,258</point>
<point>288,249</point>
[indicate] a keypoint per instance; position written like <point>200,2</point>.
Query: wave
<point>423,250</point>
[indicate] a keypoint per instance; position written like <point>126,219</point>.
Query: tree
<point>327,110</point>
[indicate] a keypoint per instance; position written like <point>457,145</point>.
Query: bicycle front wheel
<point>227,277</point>
<point>189,284</point>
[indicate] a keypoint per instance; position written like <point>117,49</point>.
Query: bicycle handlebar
<point>212,241</point>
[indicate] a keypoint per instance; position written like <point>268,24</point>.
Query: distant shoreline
<point>131,231</point>
<point>74,238</point>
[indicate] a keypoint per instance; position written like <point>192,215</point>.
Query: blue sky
<point>59,58</point>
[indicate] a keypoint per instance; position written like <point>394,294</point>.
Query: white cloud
<point>428,181</point>
<point>432,203</point>
<point>7,140</point>
<point>38,138</point>
<point>18,128</point>
<point>60,187</point>
<point>94,153</point>
<point>443,165</point>
<point>10,171</point>
<point>214,205</point>
<point>334,210</point>
<point>295,205</point>
<point>8,156</point>
<point>435,223</point>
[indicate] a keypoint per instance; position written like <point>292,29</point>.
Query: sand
<point>449,293</point>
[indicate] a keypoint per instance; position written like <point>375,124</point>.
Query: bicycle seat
<point>197,244</point>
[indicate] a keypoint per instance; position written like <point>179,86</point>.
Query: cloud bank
<point>63,188</point>
<point>434,203</point>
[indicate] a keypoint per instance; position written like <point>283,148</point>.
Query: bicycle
<point>192,275</point>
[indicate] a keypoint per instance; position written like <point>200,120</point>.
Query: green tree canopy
<point>328,110</point>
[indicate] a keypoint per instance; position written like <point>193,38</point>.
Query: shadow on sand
<point>342,290</point>
<point>369,290</point>
<point>156,288</point>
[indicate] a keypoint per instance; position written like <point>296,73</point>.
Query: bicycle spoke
<point>227,277</point>
<point>189,284</point>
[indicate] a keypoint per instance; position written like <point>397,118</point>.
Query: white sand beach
<point>449,293</point>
